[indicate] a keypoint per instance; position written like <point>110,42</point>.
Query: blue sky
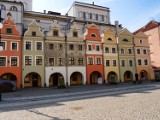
<point>132,14</point>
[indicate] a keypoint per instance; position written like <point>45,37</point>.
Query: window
<point>51,61</point>
<point>2,61</point>
<point>14,61</point>
<point>139,62</point>
<point>90,16</point>
<point>55,33</point>
<point>97,48</point>
<point>2,7</point>
<point>110,39</point>
<point>122,51</point>
<point>38,45</point>
<point>28,60</point>
<point>140,41</point>
<point>106,50</point>
<point>71,47</point>
<point>130,63</point>
<point>99,61</point>
<point>122,63</point>
<point>97,17</point>
<point>3,44</point>
<point>51,46</point>
<point>84,15</point>
<point>90,61</point>
<point>75,34</point>
<point>145,62</point>
<point>80,47</point>
<point>125,40</point>
<point>38,60</point>
<point>71,61</point>
<point>9,31</point>
<point>107,62</point>
<point>130,51</point>
<point>93,35</point>
<point>60,61</point>
<point>34,34</point>
<point>114,62</point>
<point>80,61</point>
<point>60,46</point>
<point>138,51</point>
<point>28,45</point>
<point>14,46</point>
<point>102,17</point>
<point>113,50</point>
<point>89,47</point>
<point>144,51</point>
<point>13,8</point>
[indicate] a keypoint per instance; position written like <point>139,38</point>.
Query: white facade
<point>90,12</point>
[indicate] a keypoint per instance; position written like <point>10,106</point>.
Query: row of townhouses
<point>40,49</point>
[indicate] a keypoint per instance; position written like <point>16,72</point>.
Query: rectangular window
<point>28,45</point>
<point>122,51</point>
<point>60,61</point>
<point>122,63</point>
<point>113,50</point>
<point>144,51</point>
<point>106,50</point>
<point>139,62</point>
<point>51,46</point>
<point>39,45</point>
<point>96,16</point>
<point>138,51</point>
<point>75,34</point>
<point>51,61</point>
<point>130,51</point>
<point>60,46</point>
<point>99,61</point>
<point>2,61</point>
<point>55,33</point>
<point>80,47</point>
<point>90,61</point>
<point>14,46</point>
<point>71,61</point>
<point>80,61</point>
<point>130,63</point>
<point>145,62</point>
<point>38,60</point>
<point>14,61</point>
<point>107,62</point>
<point>9,31</point>
<point>89,47</point>
<point>33,34</point>
<point>71,47</point>
<point>28,60</point>
<point>97,48</point>
<point>102,17</point>
<point>3,44</point>
<point>114,62</point>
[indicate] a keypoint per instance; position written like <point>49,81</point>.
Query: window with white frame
<point>71,61</point>
<point>80,61</point>
<point>28,45</point>
<point>89,47</point>
<point>38,45</point>
<point>51,61</point>
<point>106,49</point>
<point>129,51</point>
<point>139,62</point>
<point>140,41</point>
<point>60,61</point>
<point>97,48</point>
<point>122,63</point>
<point>122,51</point>
<point>114,62</point>
<point>14,46</point>
<point>3,61</point>
<point>80,47</point>
<point>145,62</point>
<point>39,60</point>
<point>3,44</point>
<point>99,61</point>
<point>90,60</point>
<point>130,63</point>
<point>14,61</point>
<point>107,62</point>
<point>51,46</point>
<point>113,50</point>
<point>28,60</point>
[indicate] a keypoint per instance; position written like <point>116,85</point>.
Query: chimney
<point>117,26</point>
<point>44,11</point>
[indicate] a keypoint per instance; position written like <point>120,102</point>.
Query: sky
<point>132,14</point>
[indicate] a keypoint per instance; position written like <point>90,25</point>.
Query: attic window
<point>75,34</point>
<point>93,35</point>
<point>9,31</point>
<point>140,41</point>
<point>34,34</point>
<point>110,39</point>
<point>55,33</point>
<point>125,40</point>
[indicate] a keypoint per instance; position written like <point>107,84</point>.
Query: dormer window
<point>110,39</point>
<point>93,35</point>
<point>9,31</point>
<point>125,40</point>
<point>75,34</point>
<point>55,33</point>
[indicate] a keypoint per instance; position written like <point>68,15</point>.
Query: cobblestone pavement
<point>132,106</point>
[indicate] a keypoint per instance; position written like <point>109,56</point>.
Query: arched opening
<point>144,75</point>
<point>76,78</point>
<point>128,76</point>
<point>9,76</point>
<point>32,80</point>
<point>54,79</point>
<point>112,77</point>
<point>94,77</point>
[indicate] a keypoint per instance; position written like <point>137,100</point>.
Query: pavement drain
<point>76,108</point>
